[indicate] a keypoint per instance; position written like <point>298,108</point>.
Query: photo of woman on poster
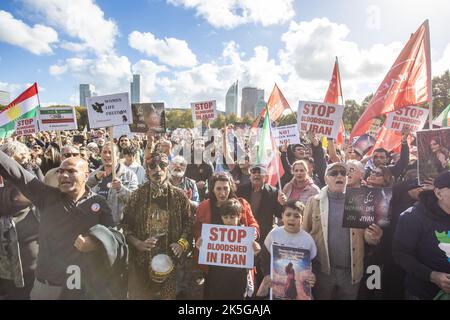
<point>290,287</point>
<point>441,154</point>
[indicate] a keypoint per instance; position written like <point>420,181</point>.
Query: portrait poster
<point>433,153</point>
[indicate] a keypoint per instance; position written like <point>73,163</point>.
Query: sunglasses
<point>70,154</point>
<point>152,165</point>
<point>335,173</point>
<point>377,173</point>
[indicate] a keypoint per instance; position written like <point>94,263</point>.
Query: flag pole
<point>430,83</point>
<point>277,169</point>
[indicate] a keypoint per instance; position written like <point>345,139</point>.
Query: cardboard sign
<point>26,127</point>
<point>289,267</point>
<point>365,206</point>
<point>413,118</point>
<point>61,119</point>
<point>289,134</point>
<point>320,118</point>
<point>109,111</point>
<point>227,246</point>
<point>204,110</point>
<point>433,155</point>
<point>148,116</point>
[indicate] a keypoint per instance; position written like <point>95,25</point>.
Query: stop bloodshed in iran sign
<point>413,118</point>
<point>26,127</point>
<point>321,118</point>
<point>204,110</point>
<point>227,246</point>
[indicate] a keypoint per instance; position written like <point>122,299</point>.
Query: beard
<point>177,174</point>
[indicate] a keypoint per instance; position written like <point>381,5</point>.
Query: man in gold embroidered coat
<point>157,220</point>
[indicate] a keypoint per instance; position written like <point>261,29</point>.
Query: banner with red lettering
<point>320,118</point>
<point>227,246</point>
<point>283,134</point>
<point>412,117</point>
<point>26,127</point>
<point>204,110</point>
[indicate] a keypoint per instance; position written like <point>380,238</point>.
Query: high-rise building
<point>4,97</point>
<point>261,103</point>
<point>231,99</point>
<point>86,91</point>
<point>135,89</point>
<point>249,100</point>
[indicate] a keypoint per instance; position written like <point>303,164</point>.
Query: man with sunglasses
<point>68,215</point>
<point>340,251</point>
<point>157,220</point>
<point>51,177</point>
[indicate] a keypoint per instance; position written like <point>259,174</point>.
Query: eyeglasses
<point>335,173</point>
<point>70,154</point>
<point>377,173</point>
<point>152,165</point>
<point>69,171</point>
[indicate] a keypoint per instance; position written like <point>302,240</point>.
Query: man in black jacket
<point>67,214</point>
<point>263,200</point>
<point>422,242</point>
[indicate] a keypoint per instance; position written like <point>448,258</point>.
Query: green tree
<point>179,119</point>
<point>287,119</point>
<point>441,92</point>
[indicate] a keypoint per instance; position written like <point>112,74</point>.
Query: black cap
<point>442,180</point>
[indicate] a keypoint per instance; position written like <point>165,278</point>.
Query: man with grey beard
<point>177,170</point>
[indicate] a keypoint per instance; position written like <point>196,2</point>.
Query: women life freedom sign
<point>321,118</point>
<point>227,246</point>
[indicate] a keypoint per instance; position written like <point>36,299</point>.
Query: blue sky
<point>193,50</point>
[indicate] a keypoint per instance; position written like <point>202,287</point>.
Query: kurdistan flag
<point>23,107</point>
<point>443,120</point>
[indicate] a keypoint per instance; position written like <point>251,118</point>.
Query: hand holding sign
<point>374,233</point>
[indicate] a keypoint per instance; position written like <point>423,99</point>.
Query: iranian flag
<point>268,155</point>
<point>443,120</point>
<point>23,107</point>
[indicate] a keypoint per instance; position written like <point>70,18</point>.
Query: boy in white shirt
<point>290,235</point>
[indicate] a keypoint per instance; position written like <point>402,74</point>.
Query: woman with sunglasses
<point>380,177</point>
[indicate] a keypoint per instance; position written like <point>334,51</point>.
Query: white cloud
<point>443,64</point>
<point>232,13</point>
<point>82,19</point>
<point>149,72</point>
<point>108,73</point>
<point>36,39</point>
<point>170,51</point>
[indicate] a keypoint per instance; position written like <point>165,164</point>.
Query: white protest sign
<point>320,118</point>
<point>227,246</point>
<point>287,134</point>
<point>58,119</point>
<point>122,130</point>
<point>26,127</point>
<point>411,117</point>
<point>203,110</point>
<point>109,111</point>
<point>374,128</point>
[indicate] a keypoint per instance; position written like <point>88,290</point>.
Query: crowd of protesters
<point>128,212</point>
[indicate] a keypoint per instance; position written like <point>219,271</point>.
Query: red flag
<point>277,104</point>
<point>407,82</point>
<point>332,96</point>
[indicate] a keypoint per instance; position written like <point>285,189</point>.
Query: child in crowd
<point>227,283</point>
<point>290,235</point>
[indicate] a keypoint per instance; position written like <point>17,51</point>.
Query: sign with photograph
<point>433,153</point>
<point>148,116</point>
<point>289,270</point>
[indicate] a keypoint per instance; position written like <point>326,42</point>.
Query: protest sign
<point>109,111</point>
<point>204,110</point>
<point>61,118</point>
<point>283,134</point>
<point>148,116</point>
<point>364,206</point>
<point>122,130</point>
<point>433,153</point>
<point>374,128</point>
<point>412,118</point>
<point>320,118</point>
<point>227,246</point>
<point>289,270</point>
<point>26,127</point>
<point>363,144</point>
